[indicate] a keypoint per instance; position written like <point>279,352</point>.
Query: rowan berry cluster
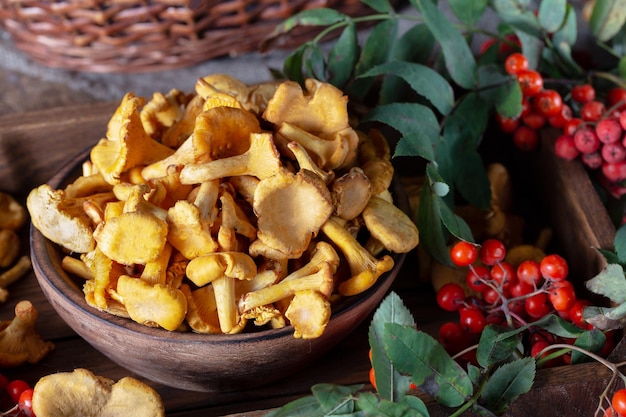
<point>592,126</point>
<point>16,397</point>
<point>508,295</point>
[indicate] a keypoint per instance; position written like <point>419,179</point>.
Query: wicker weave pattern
<point>147,35</point>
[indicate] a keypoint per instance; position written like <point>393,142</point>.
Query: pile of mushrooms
<point>238,203</point>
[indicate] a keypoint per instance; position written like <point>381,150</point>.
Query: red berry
<point>463,253</point>
<point>622,119</point>
<point>15,388</point>
<point>452,337</point>
<point>586,140</point>
<point>613,152</point>
<point>504,274</point>
<point>472,320</point>
<point>515,62</point>
<point>486,45</point>
<point>583,93</point>
<point>592,160</point>
<point>562,295</point>
<point>450,296</point>
<point>476,278</point>
<point>571,126</point>
<point>609,130</point>
<point>537,305</point>
<point>25,403</point>
<point>548,102</point>
<point>592,111</point>
<point>565,148</point>
<point>491,252</point>
<point>520,289</point>
<point>616,97</point>
<point>531,82</point>
<point>615,171</point>
<point>576,312</point>
<point>526,138</point>
<point>529,271</point>
<point>491,296</point>
<point>534,119</point>
<point>618,402</point>
<point>560,119</point>
<point>507,124</point>
<point>554,267</point>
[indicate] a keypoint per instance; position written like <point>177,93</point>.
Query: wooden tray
<point>35,145</point>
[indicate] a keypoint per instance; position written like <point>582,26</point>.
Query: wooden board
<point>33,146</point>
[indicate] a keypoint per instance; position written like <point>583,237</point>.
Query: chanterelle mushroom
<point>19,340</point>
<point>12,213</point>
<point>61,219</point>
<point>290,209</point>
<point>82,394</point>
<point>126,144</point>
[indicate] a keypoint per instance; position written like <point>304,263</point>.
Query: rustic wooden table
<point>37,143</point>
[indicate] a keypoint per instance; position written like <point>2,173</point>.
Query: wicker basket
<point>148,35</point>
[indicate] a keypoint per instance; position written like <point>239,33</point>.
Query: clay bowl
<point>191,361</point>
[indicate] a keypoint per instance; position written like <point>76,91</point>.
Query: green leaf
<point>416,123</point>
<point>376,50</point>
<point>422,79</point>
<point>292,65</point>
<point>343,56</point>
<point>333,397</point>
<point>457,154</point>
<point>607,18</point>
<point>610,282</point>
<point>552,14</point>
<point>568,32</point>
<point>468,12</point>
<point>606,318</point>
<point>501,90</point>
<point>532,48</point>
<point>621,67</point>
<point>432,236</point>
<point>619,244</point>
<point>458,56</point>
<point>302,407</point>
<point>591,341</point>
<point>321,16</point>
<point>381,6</point>
<point>391,310</point>
<point>475,373</point>
<point>519,15</point>
<point>507,383</point>
<point>451,221</point>
<point>373,406</point>
<point>492,349</point>
<point>314,63</point>
<point>415,45</point>
<point>430,366</point>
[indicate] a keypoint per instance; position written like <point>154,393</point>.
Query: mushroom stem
<point>364,267</point>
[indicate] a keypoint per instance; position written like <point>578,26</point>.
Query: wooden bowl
<point>191,361</point>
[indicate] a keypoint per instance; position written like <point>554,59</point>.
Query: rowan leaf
<point>610,282</point>
<point>468,12</point>
<point>431,368</point>
<point>390,384</point>
<point>607,18</point>
<point>507,383</point>
<point>493,349</point>
<point>343,56</point>
<point>458,56</point>
<point>425,81</point>
<point>417,124</point>
<point>552,14</point>
<point>373,406</point>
